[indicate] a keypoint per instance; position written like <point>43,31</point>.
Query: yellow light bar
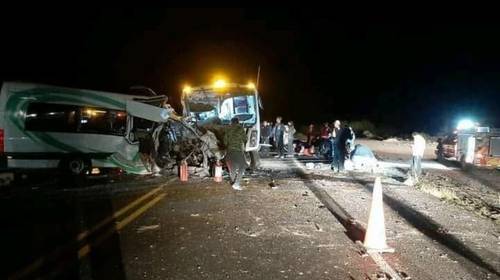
<point>251,85</point>
<point>220,84</point>
<point>187,89</point>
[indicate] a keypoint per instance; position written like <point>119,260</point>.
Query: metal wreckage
<point>196,135</point>
<point>87,132</point>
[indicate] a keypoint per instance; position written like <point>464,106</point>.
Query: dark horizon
<point>314,67</point>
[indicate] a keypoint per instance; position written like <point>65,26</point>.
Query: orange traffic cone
<point>375,240</point>
<point>218,172</point>
<point>183,171</point>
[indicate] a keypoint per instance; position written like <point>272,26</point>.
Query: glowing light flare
<point>187,89</point>
<point>465,124</point>
<point>93,113</point>
<point>220,83</point>
<point>251,85</point>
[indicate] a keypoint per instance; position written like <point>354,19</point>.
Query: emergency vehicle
<point>473,145</point>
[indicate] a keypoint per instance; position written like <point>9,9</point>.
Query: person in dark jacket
<point>266,135</point>
<point>234,141</point>
<point>279,133</point>
<point>291,133</point>
<point>339,146</point>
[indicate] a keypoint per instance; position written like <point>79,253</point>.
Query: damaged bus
<point>75,130</point>
<point>217,104</point>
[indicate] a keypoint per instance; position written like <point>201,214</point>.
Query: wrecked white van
<point>71,129</point>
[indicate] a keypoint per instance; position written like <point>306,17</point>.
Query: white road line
<point>376,257</point>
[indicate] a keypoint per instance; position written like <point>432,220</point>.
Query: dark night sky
<point>415,75</point>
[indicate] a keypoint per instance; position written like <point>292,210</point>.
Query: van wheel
<point>75,166</point>
<point>73,172</point>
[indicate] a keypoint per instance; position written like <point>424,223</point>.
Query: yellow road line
<point>36,264</point>
<point>85,249</point>
<point>86,233</point>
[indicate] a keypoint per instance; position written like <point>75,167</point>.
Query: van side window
<point>75,119</point>
<point>51,117</point>
<point>102,121</point>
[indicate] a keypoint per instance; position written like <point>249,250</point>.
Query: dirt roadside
<point>433,240</point>
<point>476,190</point>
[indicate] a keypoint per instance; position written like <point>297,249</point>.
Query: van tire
<point>75,166</point>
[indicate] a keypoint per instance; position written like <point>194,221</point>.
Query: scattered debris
<point>195,215</point>
<point>142,229</point>
<point>273,184</point>
<point>317,226</point>
<point>404,275</point>
<point>442,230</point>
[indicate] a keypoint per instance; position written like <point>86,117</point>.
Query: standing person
<point>271,136</point>
<point>324,144</point>
<point>440,150</point>
<point>335,132</point>
<point>336,128</point>
<point>418,149</point>
<point>234,140</point>
<point>279,133</point>
<point>291,133</point>
<point>310,135</point>
<point>350,141</point>
<point>310,140</point>
<point>339,146</point>
<point>265,135</point>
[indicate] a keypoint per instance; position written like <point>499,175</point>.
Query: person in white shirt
<point>418,149</point>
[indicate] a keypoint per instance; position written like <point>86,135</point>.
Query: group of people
<point>339,139</point>
<point>334,142</point>
<point>279,136</point>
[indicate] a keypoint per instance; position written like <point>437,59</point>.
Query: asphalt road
<point>160,228</point>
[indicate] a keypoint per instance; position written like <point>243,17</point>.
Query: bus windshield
<point>223,109</point>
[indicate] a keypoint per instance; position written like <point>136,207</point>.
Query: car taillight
<point>1,141</point>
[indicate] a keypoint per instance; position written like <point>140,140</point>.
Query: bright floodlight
<point>220,84</point>
<point>251,85</point>
<point>187,89</point>
<point>465,124</point>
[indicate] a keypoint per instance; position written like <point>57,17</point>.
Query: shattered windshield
<point>224,109</point>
